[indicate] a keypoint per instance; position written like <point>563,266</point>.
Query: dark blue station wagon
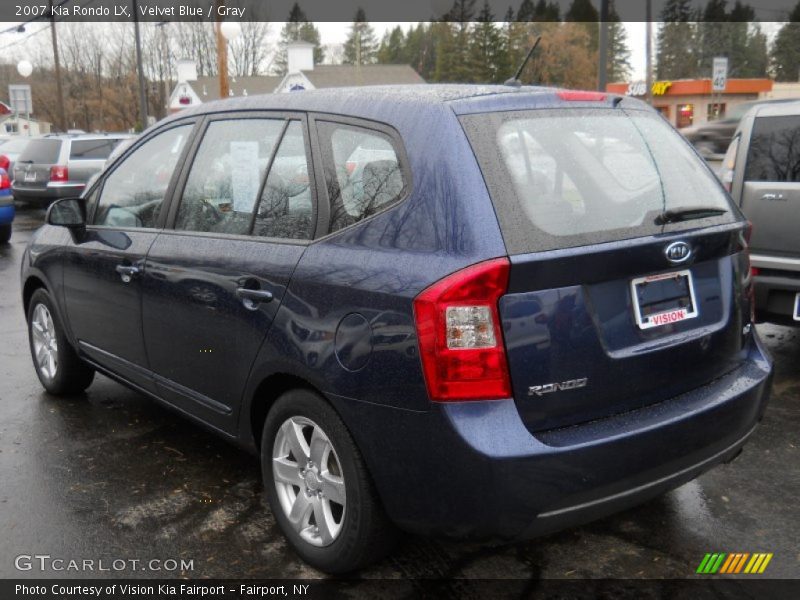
<point>458,310</point>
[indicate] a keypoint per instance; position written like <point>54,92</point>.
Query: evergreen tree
<point>526,11</point>
<point>619,54</point>
<point>757,64</point>
<point>675,43</point>
<point>452,38</point>
<point>586,15</point>
<point>546,11</point>
<point>487,54</point>
<point>392,49</point>
<point>713,35</point>
<point>420,50</point>
<point>361,46</point>
<point>297,28</point>
<point>582,11</point>
<point>785,56</point>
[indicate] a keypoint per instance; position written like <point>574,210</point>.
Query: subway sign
<point>639,88</point>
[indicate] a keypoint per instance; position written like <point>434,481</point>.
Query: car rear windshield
<point>41,152</point>
<point>774,152</point>
<point>573,177</point>
<point>14,146</point>
<point>92,149</point>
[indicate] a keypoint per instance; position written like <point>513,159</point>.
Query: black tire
<point>72,375</point>
<point>366,533</point>
<point>5,233</point>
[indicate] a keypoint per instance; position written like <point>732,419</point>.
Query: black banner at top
<point>16,11</point>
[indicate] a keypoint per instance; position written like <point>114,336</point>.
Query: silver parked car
<point>762,171</point>
<point>59,166</point>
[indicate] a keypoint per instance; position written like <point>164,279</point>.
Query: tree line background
<point>470,44</point>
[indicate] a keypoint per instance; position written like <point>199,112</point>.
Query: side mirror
<point>67,212</point>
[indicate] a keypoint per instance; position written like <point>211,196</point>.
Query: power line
<point>16,28</point>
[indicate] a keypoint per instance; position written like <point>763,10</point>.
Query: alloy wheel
<point>309,480</point>
<point>45,343</point>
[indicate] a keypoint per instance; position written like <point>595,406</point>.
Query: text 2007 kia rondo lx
<point>461,310</point>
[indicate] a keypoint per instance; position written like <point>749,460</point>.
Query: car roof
<point>777,109</point>
<point>384,102</point>
<point>85,136</point>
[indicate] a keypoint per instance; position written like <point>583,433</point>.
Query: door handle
<point>127,272</point>
<point>252,298</point>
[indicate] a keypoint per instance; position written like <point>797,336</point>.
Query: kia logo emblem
<point>678,252</point>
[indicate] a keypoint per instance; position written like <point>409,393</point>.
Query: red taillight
<point>59,173</point>
<point>755,271</point>
<point>5,182</point>
<point>4,162</point>
<point>581,96</point>
<point>460,338</point>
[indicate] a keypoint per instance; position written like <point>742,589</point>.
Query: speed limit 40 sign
<point>719,74</point>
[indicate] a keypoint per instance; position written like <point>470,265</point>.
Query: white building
<point>302,74</point>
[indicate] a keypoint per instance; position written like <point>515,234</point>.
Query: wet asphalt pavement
<point>112,475</point>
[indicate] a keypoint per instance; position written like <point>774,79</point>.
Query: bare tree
<point>249,52</point>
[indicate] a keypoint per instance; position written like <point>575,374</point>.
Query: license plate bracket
<point>30,176</point>
<point>663,299</point>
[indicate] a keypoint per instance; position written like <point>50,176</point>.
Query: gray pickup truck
<point>58,166</point>
<point>762,172</point>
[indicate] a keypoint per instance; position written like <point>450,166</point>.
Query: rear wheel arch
<point>265,395</point>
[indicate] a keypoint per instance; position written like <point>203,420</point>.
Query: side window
<point>286,207</point>
<point>362,172</point>
<point>774,152</point>
<point>133,193</point>
<point>222,188</point>
<point>98,149</point>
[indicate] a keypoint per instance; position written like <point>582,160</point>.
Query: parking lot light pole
<point>602,67</point>
<point>62,117</point>
<point>142,94</point>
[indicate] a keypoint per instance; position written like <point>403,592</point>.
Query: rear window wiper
<point>686,214</point>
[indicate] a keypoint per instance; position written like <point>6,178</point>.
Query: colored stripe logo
<point>735,562</point>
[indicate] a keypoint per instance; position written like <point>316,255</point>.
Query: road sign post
<point>21,101</point>
<point>719,79</point>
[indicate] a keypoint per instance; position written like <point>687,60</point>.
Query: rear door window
<point>564,178</point>
<point>92,149</point>
<point>363,172</point>
<point>286,206</point>
<point>43,152</point>
<point>774,151</point>
<point>221,192</point>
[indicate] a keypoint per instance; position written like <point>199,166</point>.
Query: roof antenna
<point>514,81</point>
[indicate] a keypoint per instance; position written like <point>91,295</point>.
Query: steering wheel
<point>210,212</point>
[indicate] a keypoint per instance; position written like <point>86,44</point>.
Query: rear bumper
<point>775,293</point>
<point>53,191</point>
<point>6,210</point>
<point>473,469</point>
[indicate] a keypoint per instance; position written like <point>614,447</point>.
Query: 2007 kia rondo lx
<point>460,310</point>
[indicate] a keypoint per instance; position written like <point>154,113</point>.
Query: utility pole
<point>602,68</point>
<point>62,117</point>
<point>648,52</point>
<point>142,94</point>
<point>222,54</point>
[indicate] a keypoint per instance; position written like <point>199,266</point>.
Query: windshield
<point>41,152</point>
<point>562,178</point>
